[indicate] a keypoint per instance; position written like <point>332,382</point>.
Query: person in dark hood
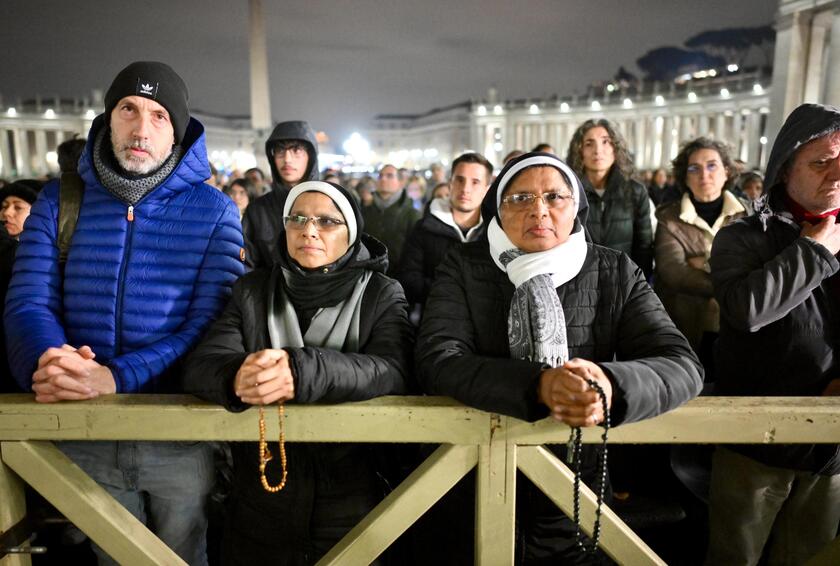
<point>775,276</point>
<point>324,324</point>
<point>530,321</point>
<point>292,153</point>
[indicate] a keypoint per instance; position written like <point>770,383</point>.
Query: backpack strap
<point>70,193</point>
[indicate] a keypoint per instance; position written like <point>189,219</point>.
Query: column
<point>5,155</point>
<point>667,141</point>
<point>260,98</point>
<point>24,168</point>
<point>640,143</point>
<point>832,87</point>
<point>720,127</point>
<point>686,129</point>
<point>41,151</point>
<point>817,53</point>
<point>753,135</point>
<point>703,125</point>
<point>788,69</point>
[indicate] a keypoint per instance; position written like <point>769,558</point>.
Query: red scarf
<point>801,215</point>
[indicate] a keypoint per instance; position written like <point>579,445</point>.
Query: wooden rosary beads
<point>265,453</point>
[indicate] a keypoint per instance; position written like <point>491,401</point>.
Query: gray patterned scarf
<point>129,188</point>
<point>536,322</point>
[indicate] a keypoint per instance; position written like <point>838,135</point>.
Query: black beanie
<point>26,189</point>
<point>158,82</point>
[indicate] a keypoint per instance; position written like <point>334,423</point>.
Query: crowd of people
<point>573,288</point>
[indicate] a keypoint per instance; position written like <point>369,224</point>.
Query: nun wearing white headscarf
<point>303,332</point>
<point>536,321</point>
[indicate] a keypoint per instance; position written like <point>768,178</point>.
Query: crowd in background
<point>447,258</point>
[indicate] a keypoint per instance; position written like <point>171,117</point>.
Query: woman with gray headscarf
<point>323,325</point>
<point>538,322</point>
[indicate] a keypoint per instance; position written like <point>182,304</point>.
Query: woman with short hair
<point>684,234</point>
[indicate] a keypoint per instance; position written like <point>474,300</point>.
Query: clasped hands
<point>264,378</point>
<point>71,374</point>
<point>568,395</point>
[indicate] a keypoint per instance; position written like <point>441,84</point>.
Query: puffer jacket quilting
<point>139,292</point>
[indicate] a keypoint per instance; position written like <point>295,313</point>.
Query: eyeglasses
<point>522,201</point>
<point>696,168</point>
<point>322,223</point>
<point>295,148</point>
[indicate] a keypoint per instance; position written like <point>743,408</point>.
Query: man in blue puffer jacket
<point>151,263</point>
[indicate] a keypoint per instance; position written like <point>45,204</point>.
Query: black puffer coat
<point>263,217</point>
<point>621,218</point>
<point>612,318</point>
<point>283,526</point>
<point>424,249</point>
<point>779,297</point>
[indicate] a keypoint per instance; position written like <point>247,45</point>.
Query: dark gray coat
<point>779,297</point>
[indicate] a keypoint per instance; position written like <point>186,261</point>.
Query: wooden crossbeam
<point>403,506</point>
<point>12,509</point>
<point>86,504</point>
<point>556,480</point>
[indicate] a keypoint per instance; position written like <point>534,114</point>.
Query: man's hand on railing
<point>70,374</point>
<point>264,378</point>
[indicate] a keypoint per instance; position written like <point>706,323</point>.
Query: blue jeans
<point>164,484</point>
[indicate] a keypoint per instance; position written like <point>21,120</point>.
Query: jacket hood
<point>192,169</point>
<point>490,206</point>
<point>293,130</point>
<point>806,123</point>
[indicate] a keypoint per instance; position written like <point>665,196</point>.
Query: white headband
<point>337,197</point>
<point>540,160</point>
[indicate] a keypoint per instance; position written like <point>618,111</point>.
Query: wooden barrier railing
<point>494,444</point>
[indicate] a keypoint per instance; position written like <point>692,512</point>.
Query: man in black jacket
<point>775,277</point>
<point>292,152</point>
<point>391,215</point>
<point>449,222</point>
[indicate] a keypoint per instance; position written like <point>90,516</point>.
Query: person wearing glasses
<point>684,233</point>
<point>523,322</point>
<point>292,153</point>
<point>324,324</point>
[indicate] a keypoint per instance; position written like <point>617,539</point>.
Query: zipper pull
<point>130,214</point>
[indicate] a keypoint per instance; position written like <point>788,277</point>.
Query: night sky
<point>339,63</point>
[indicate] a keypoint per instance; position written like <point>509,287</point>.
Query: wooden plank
<point>410,419</point>
<point>828,556</point>
<point>495,502</point>
<point>180,417</point>
<point>556,480</point>
<point>86,504</point>
<point>711,420</point>
<point>403,506</point>
<point>12,509</point>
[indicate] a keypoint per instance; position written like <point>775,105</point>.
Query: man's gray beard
<point>130,165</point>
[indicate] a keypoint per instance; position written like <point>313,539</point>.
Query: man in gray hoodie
<point>292,152</point>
